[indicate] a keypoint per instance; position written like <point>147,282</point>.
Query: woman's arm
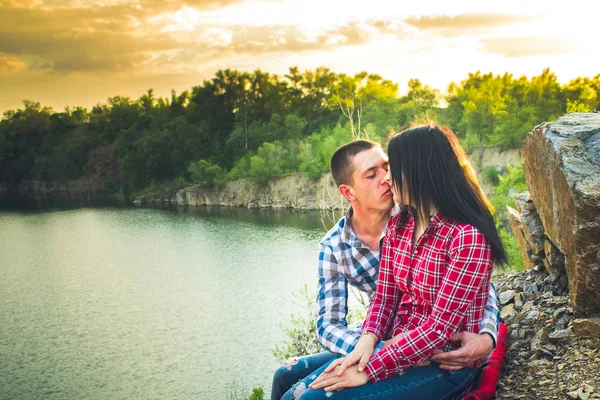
<point>469,268</point>
<point>379,316</point>
<point>384,304</point>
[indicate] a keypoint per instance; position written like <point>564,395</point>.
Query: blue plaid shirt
<point>344,260</point>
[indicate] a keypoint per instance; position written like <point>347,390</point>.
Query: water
<point>110,303</point>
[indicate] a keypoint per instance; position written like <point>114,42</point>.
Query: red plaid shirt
<point>439,289</point>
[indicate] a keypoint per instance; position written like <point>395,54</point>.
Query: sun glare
<point>186,19</point>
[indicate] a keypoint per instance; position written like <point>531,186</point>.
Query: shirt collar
<point>348,234</point>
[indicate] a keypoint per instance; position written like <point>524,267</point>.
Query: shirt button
<point>439,331</point>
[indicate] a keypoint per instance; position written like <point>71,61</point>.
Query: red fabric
<point>486,384</point>
<point>438,288</point>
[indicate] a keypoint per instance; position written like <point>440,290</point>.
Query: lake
<point>126,303</point>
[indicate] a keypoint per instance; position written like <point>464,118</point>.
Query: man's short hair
<point>341,161</point>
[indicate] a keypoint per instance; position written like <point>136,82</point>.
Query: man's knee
<point>286,369</point>
<point>286,375</point>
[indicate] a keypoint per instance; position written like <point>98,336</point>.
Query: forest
<point>260,125</point>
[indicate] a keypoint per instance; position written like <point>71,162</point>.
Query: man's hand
<point>473,348</point>
<point>332,380</point>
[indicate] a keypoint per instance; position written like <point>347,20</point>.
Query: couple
<point>430,288</point>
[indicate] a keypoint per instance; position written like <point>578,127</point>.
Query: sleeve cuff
<point>372,331</point>
<point>378,347</point>
<point>492,334</point>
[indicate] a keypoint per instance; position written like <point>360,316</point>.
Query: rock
<point>556,336</point>
<point>508,312</point>
<point>540,339</point>
<point>518,300</point>
<point>533,230</point>
<point>530,288</point>
<point>534,314</point>
<point>568,362</point>
<point>587,327</point>
<point>554,260</point>
<point>517,227</point>
<point>583,395</point>
<point>291,191</point>
<point>506,296</point>
<point>562,167</point>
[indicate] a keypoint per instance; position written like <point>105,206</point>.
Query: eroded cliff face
<point>297,191</point>
<point>561,161</point>
<point>290,191</point>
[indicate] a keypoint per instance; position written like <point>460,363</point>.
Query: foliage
<point>510,183</point>
<point>237,390</point>
<point>513,251</point>
<point>206,174</point>
<point>491,175</point>
<point>258,393</point>
<point>260,125</point>
<point>301,332</point>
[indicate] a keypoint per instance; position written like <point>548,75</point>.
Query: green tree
<point>206,174</point>
<point>510,183</point>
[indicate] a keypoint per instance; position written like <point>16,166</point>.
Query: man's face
<point>369,185</point>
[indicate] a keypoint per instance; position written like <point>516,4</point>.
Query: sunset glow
<point>70,52</point>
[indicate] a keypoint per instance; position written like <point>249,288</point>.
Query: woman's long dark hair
<point>428,163</point>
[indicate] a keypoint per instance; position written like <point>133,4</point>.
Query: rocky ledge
<point>551,354</point>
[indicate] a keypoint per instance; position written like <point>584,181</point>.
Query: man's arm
<point>491,317</point>
<point>332,306</point>
<point>474,347</point>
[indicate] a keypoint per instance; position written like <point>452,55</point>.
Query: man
<point>349,254</point>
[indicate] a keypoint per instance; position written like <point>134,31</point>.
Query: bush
<point>509,184</point>
<point>206,174</point>
<point>302,337</point>
<point>491,175</point>
<point>258,393</point>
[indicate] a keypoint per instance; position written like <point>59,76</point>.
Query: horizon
<point>73,53</point>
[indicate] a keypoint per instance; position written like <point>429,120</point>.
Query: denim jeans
<point>297,369</point>
<point>416,383</point>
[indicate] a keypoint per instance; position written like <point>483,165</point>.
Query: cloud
<point>271,39</point>
<point>77,39</point>
<point>513,47</point>
<point>10,64</point>
<point>63,37</point>
<point>152,5</point>
<point>464,23</point>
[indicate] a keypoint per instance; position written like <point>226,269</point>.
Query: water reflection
<point>169,303</point>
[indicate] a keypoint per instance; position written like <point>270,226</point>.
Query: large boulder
<point>562,167</point>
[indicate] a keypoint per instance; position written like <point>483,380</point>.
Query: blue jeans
<point>429,382</point>
<point>297,369</point>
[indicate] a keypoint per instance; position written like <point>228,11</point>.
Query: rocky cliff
<point>290,191</point>
<point>297,191</point>
<point>557,223</point>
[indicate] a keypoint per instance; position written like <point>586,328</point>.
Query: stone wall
<point>558,221</point>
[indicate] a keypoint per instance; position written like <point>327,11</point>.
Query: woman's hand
<point>361,354</point>
<point>333,380</point>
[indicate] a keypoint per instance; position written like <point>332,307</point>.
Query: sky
<point>80,52</point>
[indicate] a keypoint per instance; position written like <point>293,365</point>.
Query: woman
<point>437,260</point>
